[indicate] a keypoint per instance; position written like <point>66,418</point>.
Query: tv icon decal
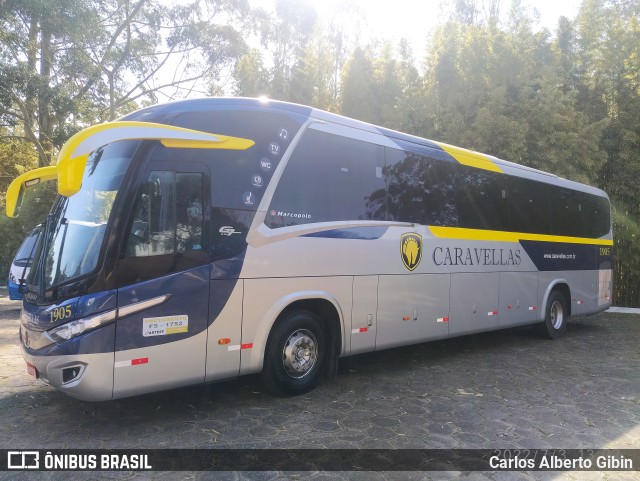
<point>274,148</point>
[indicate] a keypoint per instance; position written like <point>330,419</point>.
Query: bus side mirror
<point>17,188</point>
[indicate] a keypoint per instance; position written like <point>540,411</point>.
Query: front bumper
<point>88,377</point>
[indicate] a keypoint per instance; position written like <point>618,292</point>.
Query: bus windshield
<point>77,224</point>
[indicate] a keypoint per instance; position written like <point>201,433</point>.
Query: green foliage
<point>36,206</point>
<point>358,87</point>
<point>251,76</point>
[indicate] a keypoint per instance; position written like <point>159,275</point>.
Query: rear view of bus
<point>205,239</point>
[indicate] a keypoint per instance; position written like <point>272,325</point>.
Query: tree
<point>358,87</point>
<point>285,36</point>
<point>16,157</point>
<point>68,63</point>
<point>251,77</point>
<point>501,91</point>
<point>607,39</point>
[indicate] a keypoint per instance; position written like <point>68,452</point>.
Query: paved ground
<point>506,389</point>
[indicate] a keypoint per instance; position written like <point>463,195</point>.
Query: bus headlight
<point>75,328</point>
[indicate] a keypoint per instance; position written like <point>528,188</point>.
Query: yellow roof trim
<point>470,158</point>
<point>231,143</point>
<point>73,156</point>
<point>24,181</point>
<point>500,236</point>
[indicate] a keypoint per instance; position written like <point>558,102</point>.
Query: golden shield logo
<point>411,250</point>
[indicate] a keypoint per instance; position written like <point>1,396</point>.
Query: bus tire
<point>295,354</point>
<point>556,316</point>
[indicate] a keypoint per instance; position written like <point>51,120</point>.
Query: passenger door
<point>163,307</point>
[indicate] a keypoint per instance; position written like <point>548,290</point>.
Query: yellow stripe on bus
<point>500,236</point>
<point>470,158</point>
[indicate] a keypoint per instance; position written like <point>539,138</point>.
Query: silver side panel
<point>364,318</point>
<point>584,287</point>
<point>459,287</point>
<point>225,336</point>
<point>518,299</point>
<point>159,370</point>
<point>474,302</point>
<point>265,299</point>
<point>412,309</point>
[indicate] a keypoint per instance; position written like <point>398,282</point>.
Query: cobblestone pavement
<point>506,389</point>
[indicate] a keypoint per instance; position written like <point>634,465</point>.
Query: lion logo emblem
<point>411,250</point>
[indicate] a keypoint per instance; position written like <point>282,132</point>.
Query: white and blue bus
<point>205,239</point>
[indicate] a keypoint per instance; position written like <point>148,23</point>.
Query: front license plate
<point>31,369</point>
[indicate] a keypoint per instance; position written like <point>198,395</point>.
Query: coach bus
<point>201,240</point>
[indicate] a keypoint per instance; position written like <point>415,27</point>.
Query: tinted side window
<point>528,206</point>
<point>567,213</point>
<point>597,215</point>
<point>420,189</point>
<point>190,235</point>
<point>168,216</point>
<point>328,178</point>
<point>482,199</point>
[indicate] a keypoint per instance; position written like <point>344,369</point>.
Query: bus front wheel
<point>556,316</point>
<point>295,354</point>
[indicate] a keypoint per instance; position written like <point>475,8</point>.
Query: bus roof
<point>157,113</point>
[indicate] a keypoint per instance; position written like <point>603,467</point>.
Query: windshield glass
<point>78,223</point>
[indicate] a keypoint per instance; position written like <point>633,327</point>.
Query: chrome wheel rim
<point>556,314</point>
<point>300,353</point>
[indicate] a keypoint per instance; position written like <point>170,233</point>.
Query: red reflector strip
<point>442,319</point>
<point>510,306</point>
<point>249,345</point>
<point>492,313</point>
<point>132,362</point>
<point>359,330</point>
<point>533,308</point>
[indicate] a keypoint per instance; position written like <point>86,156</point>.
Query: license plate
<point>31,369</point>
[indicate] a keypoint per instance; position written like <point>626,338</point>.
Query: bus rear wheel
<point>295,354</point>
<point>556,316</point>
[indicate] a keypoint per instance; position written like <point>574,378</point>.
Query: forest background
<point>565,100</point>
